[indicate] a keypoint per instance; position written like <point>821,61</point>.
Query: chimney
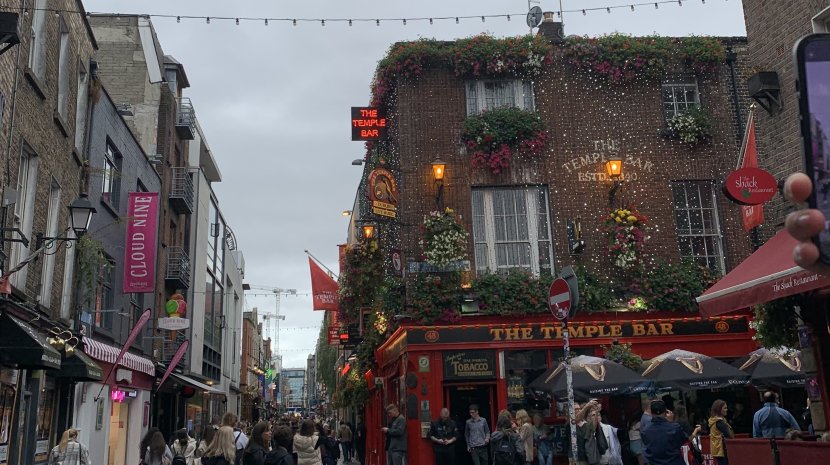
<point>552,30</point>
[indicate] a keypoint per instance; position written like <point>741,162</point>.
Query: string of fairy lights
<point>294,21</point>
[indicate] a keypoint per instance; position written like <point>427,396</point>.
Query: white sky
<point>274,103</point>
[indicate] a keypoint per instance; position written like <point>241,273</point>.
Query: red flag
<point>174,361</point>
<point>139,326</point>
<point>752,215</point>
<point>323,288</point>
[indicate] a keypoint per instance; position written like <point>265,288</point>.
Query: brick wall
<point>29,117</point>
<point>580,112</point>
<point>772,28</point>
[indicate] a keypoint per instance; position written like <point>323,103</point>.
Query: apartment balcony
<point>178,268</point>
<point>170,346</point>
<point>181,191</point>
<point>185,119</point>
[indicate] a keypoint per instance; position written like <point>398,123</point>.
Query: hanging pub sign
<point>750,186</point>
<point>368,124</point>
<point>469,364</point>
<point>383,192</point>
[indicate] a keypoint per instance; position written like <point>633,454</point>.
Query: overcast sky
<point>274,103</point>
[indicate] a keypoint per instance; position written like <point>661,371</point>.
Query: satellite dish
<point>534,17</point>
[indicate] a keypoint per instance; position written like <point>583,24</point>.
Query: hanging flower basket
<point>496,136</point>
<point>693,126</point>
<point>445,239</point>
<point>625,228</point>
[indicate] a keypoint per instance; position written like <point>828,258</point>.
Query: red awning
<point>768,274</point>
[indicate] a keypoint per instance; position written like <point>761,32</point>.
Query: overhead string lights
<point>350,21</point>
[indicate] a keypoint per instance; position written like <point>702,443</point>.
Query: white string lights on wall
<point>351,21</point>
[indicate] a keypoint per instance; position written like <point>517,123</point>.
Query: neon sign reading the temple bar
<point>368,124</point>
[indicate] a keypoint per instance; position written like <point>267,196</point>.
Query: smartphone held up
<point>812,60</point>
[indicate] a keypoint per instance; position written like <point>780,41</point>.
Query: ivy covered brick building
<point>524,129</point>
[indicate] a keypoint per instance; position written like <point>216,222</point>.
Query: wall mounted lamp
<point>438,171</point>
<point>368,231</point>
<point>347,213</point>
<point>614,169</point>
<point>80,214</point>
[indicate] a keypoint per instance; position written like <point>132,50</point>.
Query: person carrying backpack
<point>183,448</point>
<point>505,446</point>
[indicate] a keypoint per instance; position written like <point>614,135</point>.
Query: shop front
<point>770,274</point>
<point>28,364</point>
<point>113,413</point>
<point>490,363</point>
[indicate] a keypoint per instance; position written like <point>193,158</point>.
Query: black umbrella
<point>771,368</point>
<point>684,370</point>
<point>592,376</point>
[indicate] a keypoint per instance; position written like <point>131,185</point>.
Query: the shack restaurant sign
<point>469,364</point>
<point>750,186</point>
<point>593,330</point>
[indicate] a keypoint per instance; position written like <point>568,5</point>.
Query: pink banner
<point>140,250</point>
<point>174,361</point>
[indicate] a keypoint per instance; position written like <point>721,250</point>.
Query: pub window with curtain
<point>485,95</point>
<point>511,229</point>
<point>698,228</point>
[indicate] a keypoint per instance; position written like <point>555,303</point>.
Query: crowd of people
<point>661,435</point>
<point>289,440</point>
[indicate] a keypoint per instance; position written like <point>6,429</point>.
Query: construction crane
<point>270,318</point>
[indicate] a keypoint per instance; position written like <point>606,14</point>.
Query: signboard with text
<point>140,247</point>
<point>469,365</point>
<point>383,192</point>
<point>578,330</point>
<point>368,124</point>
<point>750,186</point>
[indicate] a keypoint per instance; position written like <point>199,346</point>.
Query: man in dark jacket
<point>395,436</point>
<point>663,439</point>
<point>444,433</point>
<point>360,440</point>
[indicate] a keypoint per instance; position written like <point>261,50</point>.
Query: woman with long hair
<point>207,438</point>
<point>185,446</point>
<point>69,451</point>
<point>157,452</point>
<point>719,431</point>
<point>525,434</point>
<point>259,445</point>
<point>305,442</point>
<point>222,450</point>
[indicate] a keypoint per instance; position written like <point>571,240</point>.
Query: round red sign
<point>750,186</point>
<point>559,298</point>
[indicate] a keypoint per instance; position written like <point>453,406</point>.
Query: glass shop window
<point>521,368</point>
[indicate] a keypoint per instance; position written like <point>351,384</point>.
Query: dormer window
<point>489,94</point>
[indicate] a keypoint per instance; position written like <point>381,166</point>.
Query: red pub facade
<point>539,211</point>
<point>489,362</point>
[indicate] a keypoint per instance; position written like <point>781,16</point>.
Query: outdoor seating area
<point>751,451</point>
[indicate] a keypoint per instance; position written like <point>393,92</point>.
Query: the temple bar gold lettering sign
<point>577,330</point>
<point>469,364</point>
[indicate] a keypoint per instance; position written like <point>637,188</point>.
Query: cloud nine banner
<point>140,249</point>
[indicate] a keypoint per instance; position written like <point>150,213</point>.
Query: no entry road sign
<point>559,298</point>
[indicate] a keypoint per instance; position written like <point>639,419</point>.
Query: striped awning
<point>108,353</point>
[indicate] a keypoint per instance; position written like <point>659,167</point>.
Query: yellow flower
<point>618,220</point>
<point>631,219</point>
